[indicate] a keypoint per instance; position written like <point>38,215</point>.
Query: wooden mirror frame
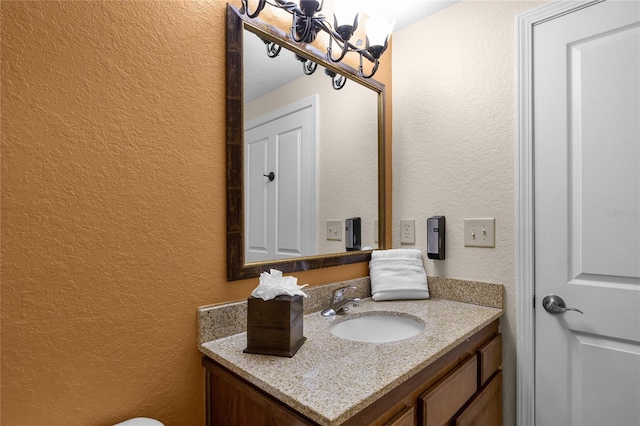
<point>236,267</point>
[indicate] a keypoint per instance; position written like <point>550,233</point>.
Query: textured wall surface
<point>455,144</point>
<point>113,208</point>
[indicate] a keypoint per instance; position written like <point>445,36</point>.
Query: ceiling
<point>405,12</point>
<point>273,74</point>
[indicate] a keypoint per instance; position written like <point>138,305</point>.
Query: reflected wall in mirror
<point>300,154</point>
<point>321,145</point>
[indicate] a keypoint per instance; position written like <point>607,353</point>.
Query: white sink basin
<point>377,328</point>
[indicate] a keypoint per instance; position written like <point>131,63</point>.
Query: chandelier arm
<point>308,27</point>
<point>273,49</point>
<point>338,82</point>
<point>309,67</point>
<point>373,71</point>
<point>245,8</point>
<point>289,6</point>
<point>364,53</point>
<point>326,27</point>
<point>344,49</point>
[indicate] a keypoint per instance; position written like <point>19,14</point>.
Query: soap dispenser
<point>435,237</point>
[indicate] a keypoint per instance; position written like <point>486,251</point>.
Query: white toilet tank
<point>140,421</point>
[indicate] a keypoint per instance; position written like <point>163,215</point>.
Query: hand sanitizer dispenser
<point>435,237</point>
<point>352,228</point>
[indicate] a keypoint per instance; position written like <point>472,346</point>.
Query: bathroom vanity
<point>450,372</point>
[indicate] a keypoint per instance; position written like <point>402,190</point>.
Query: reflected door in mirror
<point>280,172</point>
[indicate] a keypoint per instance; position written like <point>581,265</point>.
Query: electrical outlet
<point>480,232</point>
<point>408,231</point>
<point>334,230</point>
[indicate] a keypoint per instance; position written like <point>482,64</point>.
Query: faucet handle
<point>338,305</point>
<point>339,292</point>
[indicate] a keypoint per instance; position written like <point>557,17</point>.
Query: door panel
<point>587,221</point>
<point>605,180</point>
<point>289,193</point>
<point>616,400</point>
<point>281,216</point>
<point>258,194</point>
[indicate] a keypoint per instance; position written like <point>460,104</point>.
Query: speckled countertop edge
<point>331,379</point>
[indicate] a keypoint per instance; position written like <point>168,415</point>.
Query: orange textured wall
<point>113,208</point>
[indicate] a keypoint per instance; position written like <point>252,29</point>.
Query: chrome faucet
<point>338,305</point>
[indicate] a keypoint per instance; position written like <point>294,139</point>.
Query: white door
<point>280,182</point>
<point>586,76</point>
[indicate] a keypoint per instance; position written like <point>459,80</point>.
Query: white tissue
<point>274,284</point>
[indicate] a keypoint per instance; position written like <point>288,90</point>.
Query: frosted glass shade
<point>378,29</point>
<point>345,11</point>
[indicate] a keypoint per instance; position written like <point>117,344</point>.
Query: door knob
<point>271,176</point>
<point>555,305</point>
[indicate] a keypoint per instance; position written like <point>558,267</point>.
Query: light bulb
<point>378,29</point>
<point>345,11</point>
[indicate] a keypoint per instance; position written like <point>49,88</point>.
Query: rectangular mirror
<point>301,156</point>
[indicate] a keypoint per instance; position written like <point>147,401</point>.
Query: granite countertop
<point>331,379</point>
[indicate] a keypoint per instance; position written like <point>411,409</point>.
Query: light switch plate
<point>408,231</point>
<point>480,232</point>
<point>334,230</point>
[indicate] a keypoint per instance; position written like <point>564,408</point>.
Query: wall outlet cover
<point>408,231</point>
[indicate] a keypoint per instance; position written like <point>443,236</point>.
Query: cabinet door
<point>232,402</point>
<point>405,418</point>
<point>448,396</point>
<point>486,407</point>
<point>490,358</point>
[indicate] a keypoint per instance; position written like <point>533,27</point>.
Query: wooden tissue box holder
<point>274,327</point>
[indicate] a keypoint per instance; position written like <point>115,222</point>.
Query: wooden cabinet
<point>232,401</point>
<point>403,418</point>
<point>442,401</point>
<point>490,358</point>
<point>485,408</point>
<point>470,394</point>
<point>463,387</point>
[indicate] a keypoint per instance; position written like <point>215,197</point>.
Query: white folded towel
<point>397,274</point>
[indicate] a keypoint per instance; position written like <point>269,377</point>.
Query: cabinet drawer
<point>404,418</point>
<point>486,407</point>
<point>441,402</point>
<point>490,358</point>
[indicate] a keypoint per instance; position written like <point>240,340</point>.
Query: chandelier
<point>307,22</point>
